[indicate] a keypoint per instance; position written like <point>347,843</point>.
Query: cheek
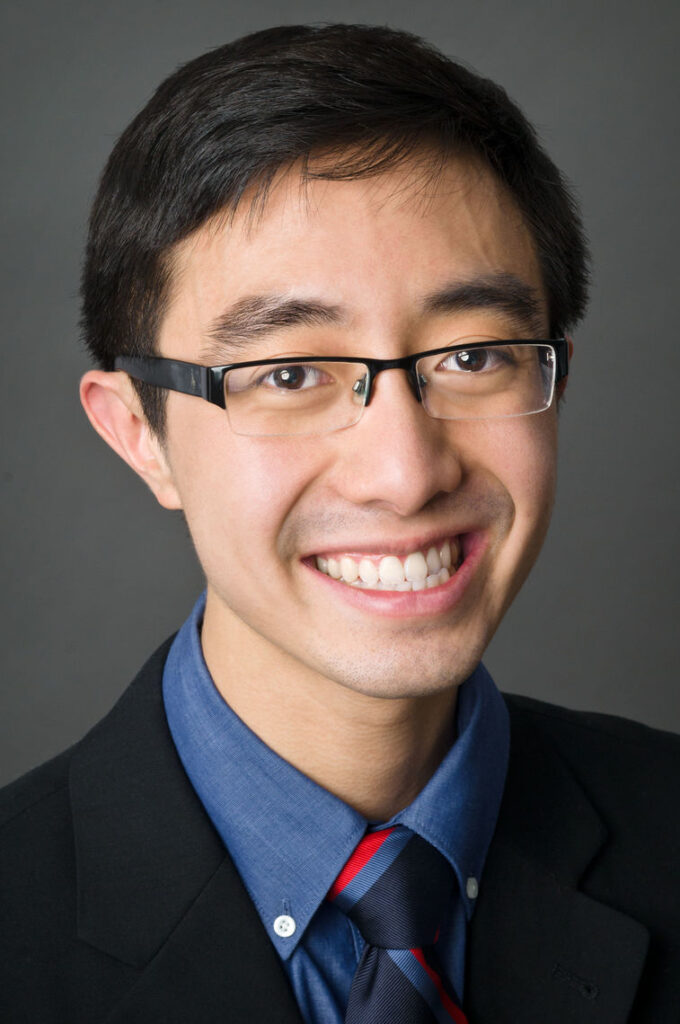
<point>236,492</point>
<point>522,459</point>
<point>527,468</point>
<point>518,454</point>
<point>517,458</point>
<point>536,461</point>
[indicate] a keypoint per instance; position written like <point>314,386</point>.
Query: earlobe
<point>114,410</point>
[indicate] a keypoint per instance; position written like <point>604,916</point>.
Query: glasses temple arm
<point>561,347</point>
<point>187,378</point>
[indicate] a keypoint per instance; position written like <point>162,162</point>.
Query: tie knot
<point>396,888</point>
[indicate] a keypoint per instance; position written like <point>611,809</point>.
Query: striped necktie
<point>397,889</point>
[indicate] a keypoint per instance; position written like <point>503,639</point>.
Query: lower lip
<point>412,603</point>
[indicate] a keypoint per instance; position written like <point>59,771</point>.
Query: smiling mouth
<point>419,570</point>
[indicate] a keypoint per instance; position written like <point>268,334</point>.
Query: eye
<point>294,377</point>
<point>474,360</point>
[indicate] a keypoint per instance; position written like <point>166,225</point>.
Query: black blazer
<point>120,905</point>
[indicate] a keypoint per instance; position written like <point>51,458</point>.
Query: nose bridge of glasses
<point>406,363</point>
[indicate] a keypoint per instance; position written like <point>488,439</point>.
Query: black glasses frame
<point>208,381</point>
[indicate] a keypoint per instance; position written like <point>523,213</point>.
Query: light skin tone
<point>357,689</point>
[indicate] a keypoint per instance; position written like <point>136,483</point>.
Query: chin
<point>406,674</point>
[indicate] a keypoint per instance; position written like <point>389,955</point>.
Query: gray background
<point>95,574</point>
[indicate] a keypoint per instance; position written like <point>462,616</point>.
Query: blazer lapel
<point>156,888</point>
<point>216,966</point>
<point>540,950</point>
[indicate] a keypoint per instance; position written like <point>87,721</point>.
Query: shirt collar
<point>288,837</point>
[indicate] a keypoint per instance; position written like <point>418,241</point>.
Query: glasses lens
<point>487,381</point>
<point>296,397</point>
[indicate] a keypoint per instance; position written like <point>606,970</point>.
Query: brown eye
<point>289,377</point>
<point>477,360</point>
<point>472,359</point>
<point>292,377</point>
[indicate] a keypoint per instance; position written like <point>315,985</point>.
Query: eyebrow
<point>255,316</point>
<point>502,292</point>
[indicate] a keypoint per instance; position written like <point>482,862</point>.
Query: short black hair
<point>370,97</point>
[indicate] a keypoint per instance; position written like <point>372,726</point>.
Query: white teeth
<point>433,560</point>
<point>415,567</point>
<point>368,571</point>
<point>349,569</point>
<point>391,569</point>
<point>417,571</point>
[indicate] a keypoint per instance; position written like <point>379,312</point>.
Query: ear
<point>114,410</point>
<point>561,387</point>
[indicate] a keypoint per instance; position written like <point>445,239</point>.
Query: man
<point>328,281</point>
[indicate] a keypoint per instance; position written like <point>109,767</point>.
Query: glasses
<point>477,378</point>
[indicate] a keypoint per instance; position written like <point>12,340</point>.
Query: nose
<point>397,457</point>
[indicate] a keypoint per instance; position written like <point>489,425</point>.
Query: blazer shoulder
<point>34,788</point>
<point>591,727</point>
<point>630,770</point>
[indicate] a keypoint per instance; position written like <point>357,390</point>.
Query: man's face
<point>262,510</point>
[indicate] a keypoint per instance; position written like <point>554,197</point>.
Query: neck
<point>374,753</point>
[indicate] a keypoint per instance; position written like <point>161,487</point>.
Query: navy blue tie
<point>397,889</point>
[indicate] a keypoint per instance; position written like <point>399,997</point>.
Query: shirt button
<point>472,888</point>
<point>284,926</point>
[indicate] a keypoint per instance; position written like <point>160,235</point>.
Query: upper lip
<point>385,546</point>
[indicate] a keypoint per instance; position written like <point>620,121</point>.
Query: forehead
<point>371,246</point>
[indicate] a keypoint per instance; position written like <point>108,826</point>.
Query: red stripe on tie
<point>366,849</point>
<point>454,1012</point>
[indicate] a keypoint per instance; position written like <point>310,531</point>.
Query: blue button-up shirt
<point>289,838</point>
